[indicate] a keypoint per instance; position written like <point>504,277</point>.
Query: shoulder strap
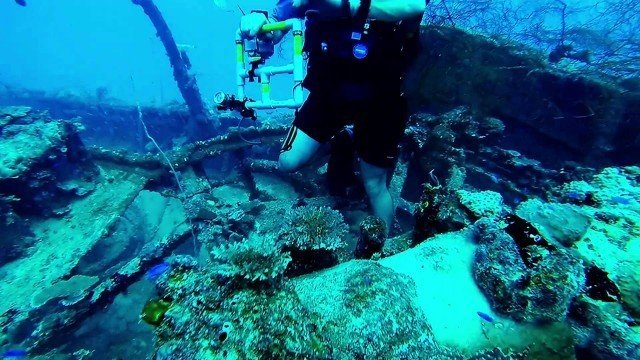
<point>363,12</point>
<point>346,9</point>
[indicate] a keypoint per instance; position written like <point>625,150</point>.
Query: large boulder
<point>562,224</point>
<point>530,282</point>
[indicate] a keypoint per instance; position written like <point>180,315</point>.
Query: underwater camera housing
<point>251,57</point>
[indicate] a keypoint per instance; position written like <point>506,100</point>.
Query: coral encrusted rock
<point>529,282</point>
<point>482,203</point>
<point>562,224</point>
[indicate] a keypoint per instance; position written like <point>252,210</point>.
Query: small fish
<point>485,316</point>
<point>21,2</point>
<point>620,200</point>
<point>434,178</point>
<point>156,271</point>
<point>14,354</point>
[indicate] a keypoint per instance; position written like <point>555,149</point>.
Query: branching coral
<point>314,228</point>
<point>258,259</point>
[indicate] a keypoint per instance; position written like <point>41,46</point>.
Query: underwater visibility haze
<point>320,179</point>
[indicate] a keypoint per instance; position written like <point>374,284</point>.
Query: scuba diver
<point>358,51</point>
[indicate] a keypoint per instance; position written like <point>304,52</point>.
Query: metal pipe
<point>273,104</point>
<point>296,68</point>
<point>275,70</point>
<point>240,70</point>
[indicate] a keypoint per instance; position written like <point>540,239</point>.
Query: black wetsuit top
<point>331,46</point>
<point>349,88</point>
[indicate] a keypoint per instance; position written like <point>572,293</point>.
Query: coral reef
<point>59,264</point>
<point>570,117</point>
<point>577,192</point>
<point>77,226</point>
<point>448,140</point>
<point>16,238</point>
<point>500,274</point>
<point>397,244</point>
<point>463,141</point>
<point>210,318</point>
<point>450,208</point>
<point>611,243</point>
<point>499,354</point>
<point>628,282</point>
<point>76,286</point>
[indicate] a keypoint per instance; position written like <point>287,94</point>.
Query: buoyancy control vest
<point>357,50</point>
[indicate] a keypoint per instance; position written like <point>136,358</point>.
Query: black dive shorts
<point>378,124</point>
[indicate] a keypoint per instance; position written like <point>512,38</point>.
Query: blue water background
<point>76,47</point>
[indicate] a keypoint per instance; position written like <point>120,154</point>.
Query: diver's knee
<point>375,186</point>
<point>288,163</point>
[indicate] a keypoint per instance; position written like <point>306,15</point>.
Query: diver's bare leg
<point>375,183</point>
<point>298,150</point>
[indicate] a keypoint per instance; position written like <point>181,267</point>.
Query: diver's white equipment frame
<point>264,73</point>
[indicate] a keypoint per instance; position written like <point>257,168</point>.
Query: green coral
<point>314,228</point>
<point>258,259</point>
<point>154,311</point>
